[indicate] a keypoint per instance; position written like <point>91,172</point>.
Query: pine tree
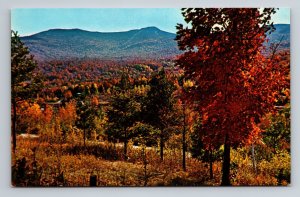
<point>22,78</point>
<point>159,106</point>
<point>124,113</point>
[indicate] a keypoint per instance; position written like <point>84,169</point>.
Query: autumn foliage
<point>219,114</point>
<point>235,83</point>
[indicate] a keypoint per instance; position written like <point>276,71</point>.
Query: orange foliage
<point>95,101</point>
<point>67,114</point>
<point>235,84</point>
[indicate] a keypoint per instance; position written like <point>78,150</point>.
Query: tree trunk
<point>125,144</point>
<point>183,142</point>
<point>84,136</point>
<point>183,153</point>
<point>226,164</point>
<point>161,148</point>
<point>274,145</point>
<point>253,159</point>
<point>115,150</point>
<point>14,125</point>
<point>145,165</point>
<point>125,149</point>
<point>211,174</point>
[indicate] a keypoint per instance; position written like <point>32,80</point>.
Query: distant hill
<point>149,42</point>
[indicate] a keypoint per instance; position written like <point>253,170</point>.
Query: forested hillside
<point>145,43</point>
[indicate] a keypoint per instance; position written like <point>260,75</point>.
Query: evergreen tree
<point>22,78</point>
<point>124,113</point>
<point>159,106</point>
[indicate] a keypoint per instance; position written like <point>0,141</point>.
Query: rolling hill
<point>149,42</point>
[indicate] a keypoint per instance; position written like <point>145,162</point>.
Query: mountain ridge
<point>144,43</point>
<point>91,31</point>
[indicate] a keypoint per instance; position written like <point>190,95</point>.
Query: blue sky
<point>30,21</point>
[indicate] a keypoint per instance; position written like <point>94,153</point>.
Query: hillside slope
<point>148,42</point>
<point>145,43</point>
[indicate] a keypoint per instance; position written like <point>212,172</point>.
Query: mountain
<point>282,35</point>
<point>149,42</point>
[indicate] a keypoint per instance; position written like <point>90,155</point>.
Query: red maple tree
<point>235,82</point>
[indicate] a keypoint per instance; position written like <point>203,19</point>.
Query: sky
<point>31,21</point>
